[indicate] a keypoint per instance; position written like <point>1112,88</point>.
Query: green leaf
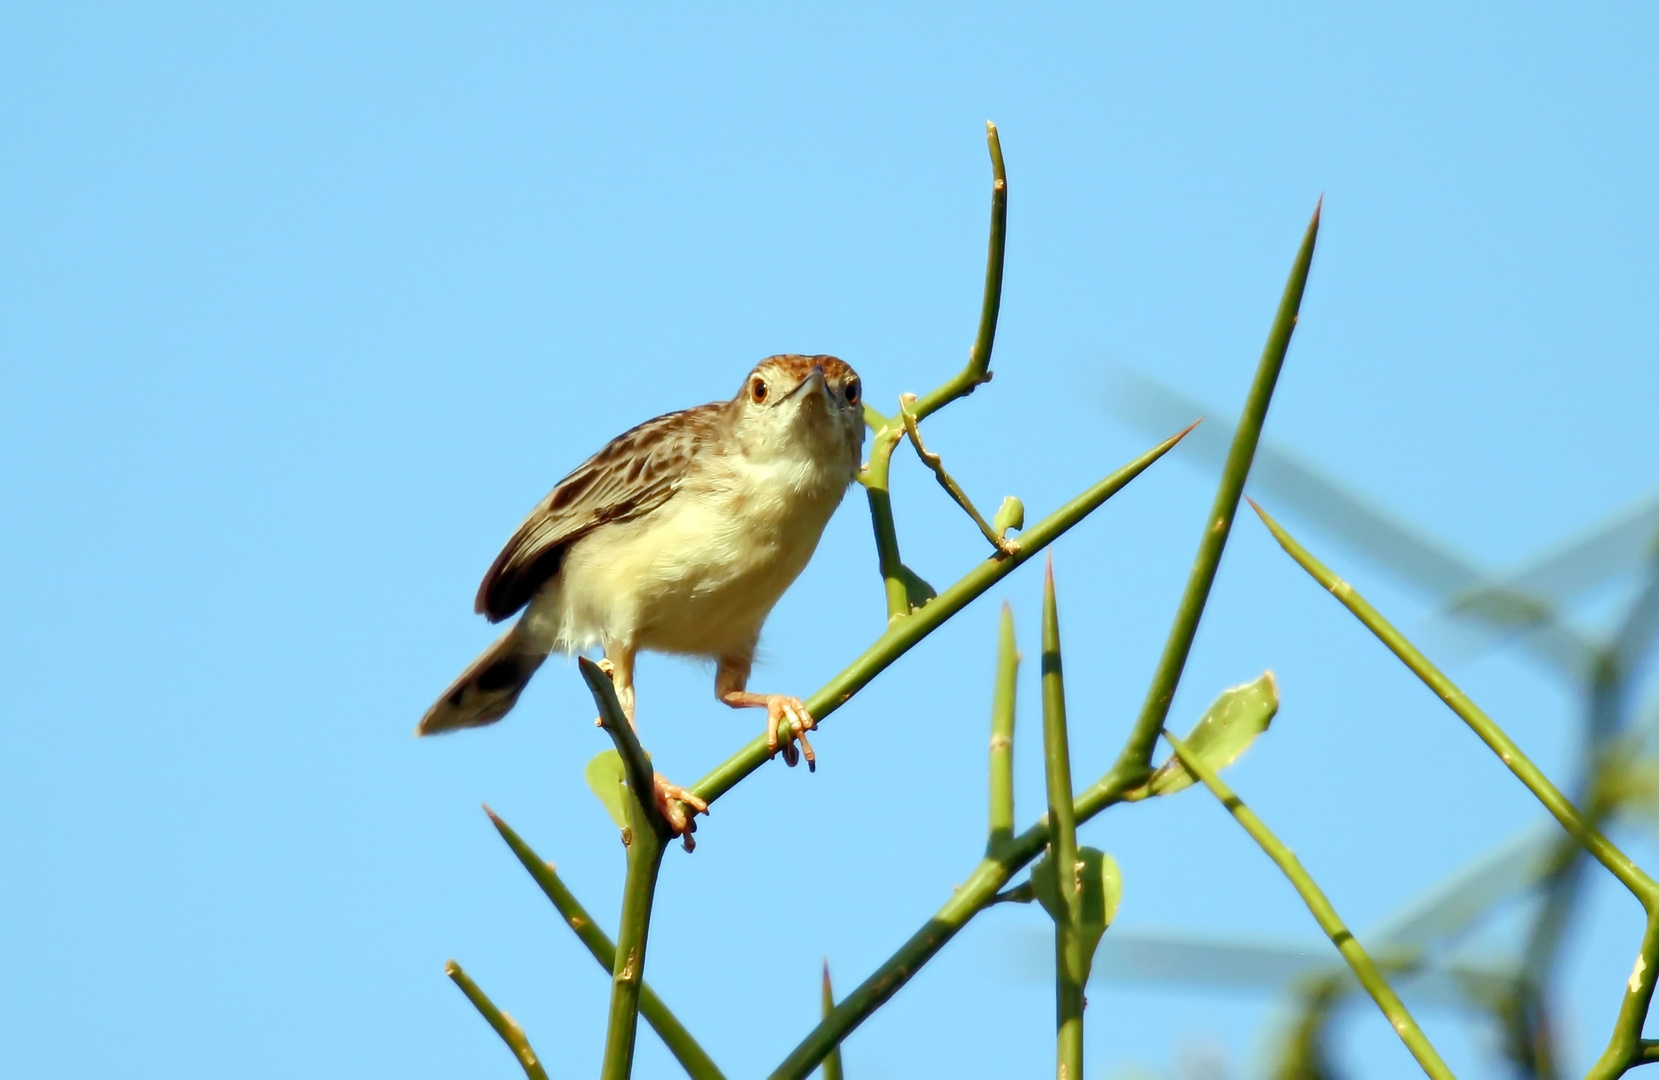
<point>606,776</point>
<point>1100,886</point>
<point>1225,731</point>
<point>1010,515</point>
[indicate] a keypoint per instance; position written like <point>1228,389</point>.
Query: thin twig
<point>899,584</point>
<point>1616,861</point>
<point>1324,914</point>
<point>696,1062</point>
<point>952,488</point>
<point>1137,752</point>
<point>978,369</point>
<point>504,1025</point>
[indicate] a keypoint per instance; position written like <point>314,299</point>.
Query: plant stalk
<point>1137,752</point>
<point>1130,770</point>
<point>1365,970</point>
<point>696,1062</point>
<point>645,850</point>
<point>1616,861</point>
<point>832,1063</point>
<point>1002,736</point>
<point>504,1025</point>
<point>1070,957</point>
<point>1627,1049</point>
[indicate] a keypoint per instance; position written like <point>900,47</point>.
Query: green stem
<point>993,872</point>
<point>635,761</point>
<point>832,1063</point>
<point>697,1064</point>
<point>874,478</point>
<point>1619,864</point>
<point>1627,1048</point>
<point>646,838</point>
<point>504,1025</point>
<point>645,850</point>
<point>1070,958</point>
<point>1137,752</point>
<point>978,369</point>
<point>1002,736</point>
<point>896,581</point>
<point>1323,913</point>
<point>902,634</point>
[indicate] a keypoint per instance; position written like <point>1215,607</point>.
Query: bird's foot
<point>673,802</point>
<point>781,709</point>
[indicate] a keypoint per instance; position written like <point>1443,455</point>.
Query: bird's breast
<point>700,574</point>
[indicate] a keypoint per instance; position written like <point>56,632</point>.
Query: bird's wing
<point>634,474</point>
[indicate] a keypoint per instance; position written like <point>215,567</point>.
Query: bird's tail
<point>490,685</point>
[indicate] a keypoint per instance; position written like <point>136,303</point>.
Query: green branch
<point>1616,861</point>
<point>504,1025</point>
<point>636,763</point>
<point>904,591</point>
<point>832,1063</point>
<point>984,886</point>
<point>1002,736</point>
<point>685,1049</point>
<point>1137,752</point>
<point>902,634</point>
<point>645,837</point>
<point>978,369</point>
<point>1071,959</point>
<point>1323,913</point>
<point>1627,1048</point>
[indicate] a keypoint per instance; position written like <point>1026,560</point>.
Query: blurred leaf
<point>605,775</point>
<point>1010,515</point>
<point>1101,885</point>
<point>1225,731</point>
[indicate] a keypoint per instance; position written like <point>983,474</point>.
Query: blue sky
<point>301,309</point>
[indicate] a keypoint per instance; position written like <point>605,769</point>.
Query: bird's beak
<point>814,379</point>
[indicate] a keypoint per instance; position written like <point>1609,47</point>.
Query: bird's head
<point>795,406</point>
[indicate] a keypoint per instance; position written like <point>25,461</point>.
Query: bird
<point>677,537</point>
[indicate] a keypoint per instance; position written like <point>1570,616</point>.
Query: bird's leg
<point>672,801</point>
<point>729,682</point>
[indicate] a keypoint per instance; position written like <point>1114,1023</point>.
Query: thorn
<point>1048,570</point>
<point>1318,207</point>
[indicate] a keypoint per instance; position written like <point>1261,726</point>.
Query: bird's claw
<point>781,709</point>
<point>672,803</point>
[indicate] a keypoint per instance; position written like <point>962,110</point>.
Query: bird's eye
<point>757,390</point>
<point>852,392</point>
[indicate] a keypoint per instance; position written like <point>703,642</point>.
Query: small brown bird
<point>677,537</point>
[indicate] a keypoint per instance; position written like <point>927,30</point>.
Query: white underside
<point>699,575</point>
